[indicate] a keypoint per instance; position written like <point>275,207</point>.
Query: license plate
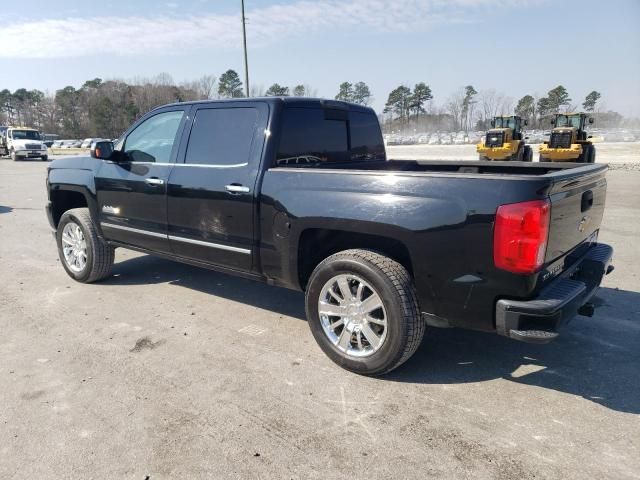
<point>34,153</point>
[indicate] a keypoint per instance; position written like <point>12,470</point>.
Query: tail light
<point>520,236</point>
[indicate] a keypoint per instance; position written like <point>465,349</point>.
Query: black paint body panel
<point>441,212</point>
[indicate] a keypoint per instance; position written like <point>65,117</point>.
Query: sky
<point>516,47</point>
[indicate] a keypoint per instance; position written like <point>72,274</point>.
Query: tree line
<point>469,109</point>
<point>105,108</point>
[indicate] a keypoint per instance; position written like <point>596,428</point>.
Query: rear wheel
<point>528,154</point>
<point>84,255</point>
<point>363,312</point>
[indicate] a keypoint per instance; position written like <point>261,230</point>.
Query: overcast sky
<point>514,46</point>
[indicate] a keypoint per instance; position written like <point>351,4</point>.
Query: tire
<point>585,156</point>
<point>44,158</point>
<point>404,328</point>
<point>13,155</point>
<point>528,154</point>
<point>592,157</point>
<point>99,255</point>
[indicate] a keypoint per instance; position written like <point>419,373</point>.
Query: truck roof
<point>297,101</point>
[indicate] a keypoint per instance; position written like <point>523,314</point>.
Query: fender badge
<point>110,209</point>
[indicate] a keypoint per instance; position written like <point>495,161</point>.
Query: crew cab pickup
<point>299,193</point>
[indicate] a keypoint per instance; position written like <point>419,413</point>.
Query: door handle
<point>236,188</point>
<point>154,181</point>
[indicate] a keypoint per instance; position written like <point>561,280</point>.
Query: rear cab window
<point>316,136</point>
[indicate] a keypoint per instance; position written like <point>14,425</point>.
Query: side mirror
<point>102,150</point>
<point>590,119</point>
<point>553,122</point>
<point>526,138</point>
<point>493,123</point>
<point>526,122</point>
<point>590,136</point>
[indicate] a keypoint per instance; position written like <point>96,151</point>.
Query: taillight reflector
<point>520,236</point>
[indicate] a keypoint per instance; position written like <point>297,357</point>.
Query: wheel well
<point>317,244</point>
<point>63,200</point>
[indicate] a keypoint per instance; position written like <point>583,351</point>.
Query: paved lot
<point>613,153</point>
<point>170,371</point>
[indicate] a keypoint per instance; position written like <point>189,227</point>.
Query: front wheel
<point>14,156</point>
<point>528,154</point>
<point>84,255</point>
<point>44,158</point>
<point>362,310</point>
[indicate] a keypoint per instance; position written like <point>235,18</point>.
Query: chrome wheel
<point>352,315</point>
<point>74,247</point>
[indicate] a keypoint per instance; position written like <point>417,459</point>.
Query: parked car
<point>381,248</point>
<point>86,143</point>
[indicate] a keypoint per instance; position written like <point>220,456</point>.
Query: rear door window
<point>222,136</point>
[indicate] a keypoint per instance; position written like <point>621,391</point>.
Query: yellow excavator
<point>569,141</point>
<point>505,141</point>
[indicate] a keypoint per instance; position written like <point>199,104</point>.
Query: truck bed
<point>461,166</point>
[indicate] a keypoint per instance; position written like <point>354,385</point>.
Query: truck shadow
<point>595,358</point>
<point>148,270</point>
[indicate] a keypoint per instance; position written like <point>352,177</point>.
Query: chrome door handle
<point>235,188</point>
<point>154,181</point>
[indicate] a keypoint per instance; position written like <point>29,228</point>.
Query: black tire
<point>100,255</point>
<point>405,325</point>
<point>584,156</point>
<point>13,155</point>
<point>44,158</point>
<point>592,156</point>
<point>528,154</point>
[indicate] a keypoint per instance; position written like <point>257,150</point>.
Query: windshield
<point>568,121</point>
<point>505,122</point>
<point>25,135</point>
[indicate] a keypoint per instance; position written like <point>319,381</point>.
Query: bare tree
<point>455,106</point>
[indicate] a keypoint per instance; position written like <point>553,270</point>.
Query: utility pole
<point>244,41</point>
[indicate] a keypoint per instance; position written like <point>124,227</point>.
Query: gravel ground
<point>620,156</point>
<point>170,371</point>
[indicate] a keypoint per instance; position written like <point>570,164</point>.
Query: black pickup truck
<point>299,193</point>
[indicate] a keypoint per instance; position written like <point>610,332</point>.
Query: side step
<point>533,336</point>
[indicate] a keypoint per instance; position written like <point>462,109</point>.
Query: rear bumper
<point>537,320</point>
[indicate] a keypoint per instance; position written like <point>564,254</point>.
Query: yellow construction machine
<point>569,141</point>
<point>505,141</point>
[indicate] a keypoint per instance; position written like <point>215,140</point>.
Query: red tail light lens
<point>520,236</point>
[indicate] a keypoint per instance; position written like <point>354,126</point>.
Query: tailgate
<point>577,206</point>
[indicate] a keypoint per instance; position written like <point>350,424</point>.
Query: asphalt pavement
<point>170,371</point>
